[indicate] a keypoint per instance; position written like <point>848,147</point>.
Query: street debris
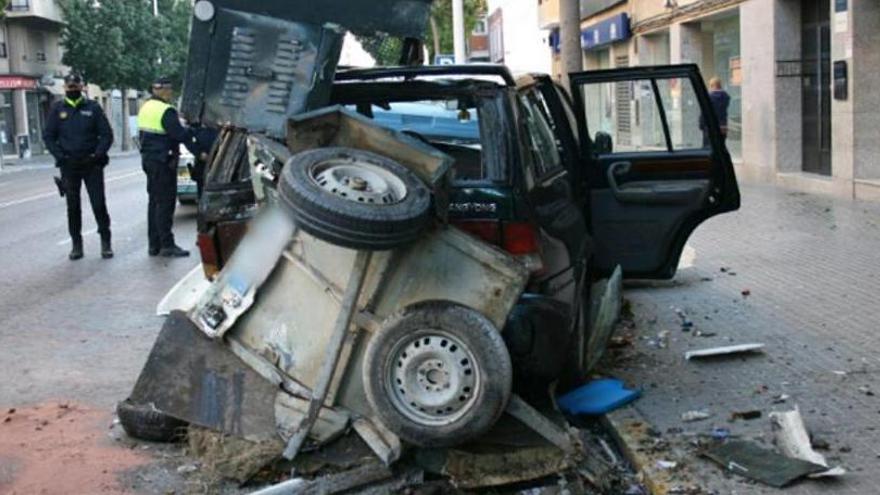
<point>724,351</point>
<point>330,484</point>
<point>720,433</point>
<point>794,441</point>
<point>662,464</point>
<point>691,416</point>
<point>781,398</point>
<point>757,463</point>
<point>746,292</point>
<point>866,390</point>
<point>746,415</point>
<point>597,397</point>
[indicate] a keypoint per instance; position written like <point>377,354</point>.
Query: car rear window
<point>449,125</point>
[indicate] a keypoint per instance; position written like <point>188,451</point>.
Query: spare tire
<point>145,422</point>
<point>354,198</point>
<point>437,374</point>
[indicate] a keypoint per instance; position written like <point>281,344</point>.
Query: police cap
<point>162,82</point>
<point>73,78</point>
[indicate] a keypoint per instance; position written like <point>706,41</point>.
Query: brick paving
<point>812,267</point>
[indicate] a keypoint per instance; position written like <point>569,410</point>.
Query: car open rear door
<point>655,161</point>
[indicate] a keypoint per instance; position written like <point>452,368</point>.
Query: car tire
<point>437,374</point>
<point>145,422</point>
<point>355,198</point>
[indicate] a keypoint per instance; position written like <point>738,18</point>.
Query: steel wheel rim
<point>432,379</point>
<point>359,182</point>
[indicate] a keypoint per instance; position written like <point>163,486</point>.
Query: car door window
<point>541,140</point>
<point>643,115</point>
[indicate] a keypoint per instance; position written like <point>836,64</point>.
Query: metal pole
<point>155,8</point>
<point>570,38</point>
<point>458,31</point>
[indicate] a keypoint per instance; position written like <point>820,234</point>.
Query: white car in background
<point>187,191</point>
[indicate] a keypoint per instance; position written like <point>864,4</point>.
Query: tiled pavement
<point>812,267</point>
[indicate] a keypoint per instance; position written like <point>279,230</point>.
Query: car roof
<point>469,71</point>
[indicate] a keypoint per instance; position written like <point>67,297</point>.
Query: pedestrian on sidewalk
<point>161,135</point>
<point>720,100</point>
<point>79,136</point>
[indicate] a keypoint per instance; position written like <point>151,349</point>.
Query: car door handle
<point>615,169</point>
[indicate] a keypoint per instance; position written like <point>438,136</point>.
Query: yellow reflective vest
<point>150,116</point>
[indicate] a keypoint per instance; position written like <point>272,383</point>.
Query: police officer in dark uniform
<point>79,136</point>
<point>161,135</point>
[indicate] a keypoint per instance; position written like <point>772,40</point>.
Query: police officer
<point>161,135</point>
<point>79,136</point>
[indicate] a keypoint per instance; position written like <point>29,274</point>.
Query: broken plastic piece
<point>598,397</point>
<point>691,416</point>
<point>793,441</point>
<point>759,464</point>
<point>722,351</point>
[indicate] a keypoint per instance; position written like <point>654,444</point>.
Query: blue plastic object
<point>597,397</point>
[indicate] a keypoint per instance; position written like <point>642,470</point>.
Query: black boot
<point>106,249</point>
<point>174,252</point>
<point>76,252</point>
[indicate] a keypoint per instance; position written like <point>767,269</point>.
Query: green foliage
<point>442,14</point>
<point>120,44</point>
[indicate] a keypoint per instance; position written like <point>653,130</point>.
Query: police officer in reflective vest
<point>161,135</point>
<point>79,136</point>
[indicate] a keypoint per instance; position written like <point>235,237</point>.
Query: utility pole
<point>458,31</point>
<point>570,38</point>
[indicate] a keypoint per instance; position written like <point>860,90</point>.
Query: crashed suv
<point>407,250</point>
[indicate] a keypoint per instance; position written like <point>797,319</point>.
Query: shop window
<point>41,56</point>
<point>3,53</point>
<point>19,6</point>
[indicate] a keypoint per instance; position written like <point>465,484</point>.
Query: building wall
<point>526,47</point>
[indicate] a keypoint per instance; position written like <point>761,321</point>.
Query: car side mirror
<point>603,143</point>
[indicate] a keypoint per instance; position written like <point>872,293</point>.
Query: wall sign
<point>17,82</point>
<point>608,31</point>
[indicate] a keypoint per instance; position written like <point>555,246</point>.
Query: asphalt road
<point>79,331</point>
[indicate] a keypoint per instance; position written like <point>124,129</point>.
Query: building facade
<point>31,79</point>
<point>515,37</point>
<point>804,108</point>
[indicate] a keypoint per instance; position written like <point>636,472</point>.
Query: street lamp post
<point>458,31</point>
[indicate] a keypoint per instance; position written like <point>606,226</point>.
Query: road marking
<point>85,234</point>
<point>40,196</point>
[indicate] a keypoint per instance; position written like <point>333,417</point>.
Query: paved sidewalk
<point>811,266</point>
<point>47,160</point>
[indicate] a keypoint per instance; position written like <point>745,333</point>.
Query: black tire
<point>416,324</point>
<point>346,222</point>
<point>145,422</point>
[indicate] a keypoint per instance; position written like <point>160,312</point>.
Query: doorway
<point>816,83</point>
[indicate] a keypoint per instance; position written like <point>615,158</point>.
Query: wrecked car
<point>407,250</point>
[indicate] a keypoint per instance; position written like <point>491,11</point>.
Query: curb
<point>643,448</point>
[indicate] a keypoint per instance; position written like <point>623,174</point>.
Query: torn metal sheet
<point>531,417</point>
<point>605,303</point>
<point>383,443</point>
<point>754,462</point>
<point>794,441</point>
<point>290,411</point>
<point>201,381</point>
<point>724,351</point>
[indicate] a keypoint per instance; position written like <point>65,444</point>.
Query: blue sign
<point>444,59</point>
<point>554,40</point>
<point>840,5</point>
<point>608,31</point>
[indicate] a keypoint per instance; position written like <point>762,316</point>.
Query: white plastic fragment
<point>721,351</point>
<point>793,441</point>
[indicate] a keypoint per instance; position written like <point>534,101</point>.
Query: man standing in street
<point>161,135</point>
<point>720,103</point>
<point>79,136</point>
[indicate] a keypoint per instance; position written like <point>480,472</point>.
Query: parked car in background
<point>187,192</point>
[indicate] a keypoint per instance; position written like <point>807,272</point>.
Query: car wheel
<point>354,198</point>
<point>437,374</point>
<point>145,422</point>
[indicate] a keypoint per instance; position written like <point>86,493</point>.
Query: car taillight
<point>208,252</point>
<point>520,239</point>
